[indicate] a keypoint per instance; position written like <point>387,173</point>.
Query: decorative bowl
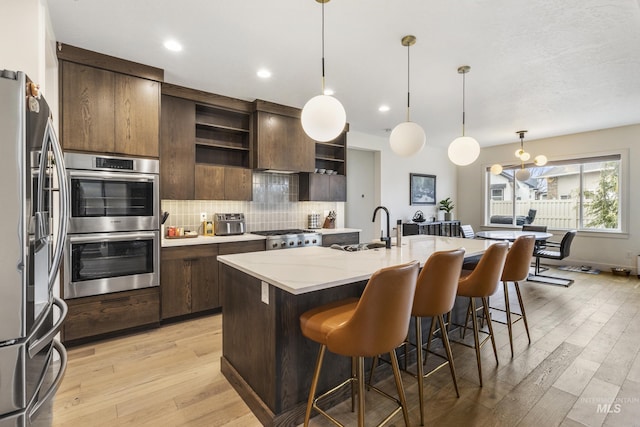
<point>620,271</point>
<point>322,170</point>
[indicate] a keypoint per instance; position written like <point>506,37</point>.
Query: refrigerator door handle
<point>62,352</point>
<point>63,185</point>
<point>36,346</point>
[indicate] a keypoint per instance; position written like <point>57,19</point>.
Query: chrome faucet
<point>386,240</point>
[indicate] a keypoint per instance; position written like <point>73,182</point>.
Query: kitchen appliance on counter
<point>229,224</point>
<point>286,239</point>
<point>114,236</point>
<point>33,182</point>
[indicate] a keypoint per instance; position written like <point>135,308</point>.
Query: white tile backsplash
<point>274,206</point>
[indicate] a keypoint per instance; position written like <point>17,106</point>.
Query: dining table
<point>511,235</point>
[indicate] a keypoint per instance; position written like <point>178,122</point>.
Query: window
<point>580,193</point>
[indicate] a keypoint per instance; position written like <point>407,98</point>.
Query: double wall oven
<point>114,239</point>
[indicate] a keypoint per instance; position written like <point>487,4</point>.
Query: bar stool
<point>435,295</point>
<point>377,323</point>
<point>481,283</point>
<point>516,268</point>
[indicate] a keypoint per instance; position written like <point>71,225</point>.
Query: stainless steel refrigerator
<point>33,220</point>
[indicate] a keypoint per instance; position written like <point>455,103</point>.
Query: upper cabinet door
<point>281,144</point>
<point>108,112</point>
<point>87,108</point>
<point>137,115</point>
<point>177,148</point>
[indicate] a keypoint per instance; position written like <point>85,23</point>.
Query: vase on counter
<point>448,216</point>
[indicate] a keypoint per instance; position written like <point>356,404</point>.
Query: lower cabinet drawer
<point>102,314</point>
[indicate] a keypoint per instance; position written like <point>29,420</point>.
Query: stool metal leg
<point>398,378</point>
<point>432,329</point>
<point>360,375</point>
<point>314,385</point>
<point>507,309</point>
<point>485,304</point>
<point>447,347</point>
<point>476,337</point>
<point>524,315</point>
<point>353,386</point>
<point>420,367</point>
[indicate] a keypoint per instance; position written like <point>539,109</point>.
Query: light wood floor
<point>584,356</point>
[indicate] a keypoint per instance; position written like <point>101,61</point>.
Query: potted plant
<point>447,206</point>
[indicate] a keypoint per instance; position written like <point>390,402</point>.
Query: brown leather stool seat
<point>435,296</point>
<point>377,323</point>
<point>481,283</point>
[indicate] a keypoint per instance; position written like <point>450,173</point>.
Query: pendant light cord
<point>408,83</point>
<point>463,91</point>
<point>322,48</point>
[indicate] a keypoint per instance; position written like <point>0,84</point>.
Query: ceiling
<point>552,67</point>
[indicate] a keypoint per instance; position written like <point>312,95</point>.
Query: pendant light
<point>463,150</point>
<point>523,173</point>
<point>408,137</point>
<point>323,116</point>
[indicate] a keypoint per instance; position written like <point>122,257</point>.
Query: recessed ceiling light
<point>173,45</point>
<point>264,73</point>
<point>383,108</point>
<point>329,92</point>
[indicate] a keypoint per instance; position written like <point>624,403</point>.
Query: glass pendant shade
<point>496,169</point>
<point>323,118</point>
<point>519,152</point>
<point>464,150</point>
<point>407,139</point>
<point>523,174</point>
<point>540,160</point>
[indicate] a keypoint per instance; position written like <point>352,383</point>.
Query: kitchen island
<point>264,355</point>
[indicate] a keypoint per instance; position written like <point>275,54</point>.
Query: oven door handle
<point>63,186</point>
<point>112,237</point>
<point>109,176</point>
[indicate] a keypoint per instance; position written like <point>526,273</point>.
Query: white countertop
<point>204,240</point>
<point>309,269</point>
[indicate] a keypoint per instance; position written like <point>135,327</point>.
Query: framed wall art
<point>422,189</point>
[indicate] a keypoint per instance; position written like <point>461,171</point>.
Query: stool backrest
<point>381,319</point>
<point>438,284</point>
<point>467,231</point>
<point>485,277</point>
<point>518,261</point>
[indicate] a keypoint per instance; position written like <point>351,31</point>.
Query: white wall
<point>393,182</point>
<point>601,250</point>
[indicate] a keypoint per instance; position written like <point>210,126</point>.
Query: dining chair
<point>556,251</point>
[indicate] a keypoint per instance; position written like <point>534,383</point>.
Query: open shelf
<point>222,136</point>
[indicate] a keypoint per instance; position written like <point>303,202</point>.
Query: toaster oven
<point>228,224</point>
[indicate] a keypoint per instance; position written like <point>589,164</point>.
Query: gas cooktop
<point>292,238</point>
<point>282,232</point>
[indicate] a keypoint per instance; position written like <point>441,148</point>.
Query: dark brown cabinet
<point>331,186</point>
<point>321,187</point>
<point>108,112</point>
<point>177,149</point>
<point>102,314</point>
<point>222,183</point>
<point>280,141</point>
<point>189,280</point>
<point>205,150</point>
